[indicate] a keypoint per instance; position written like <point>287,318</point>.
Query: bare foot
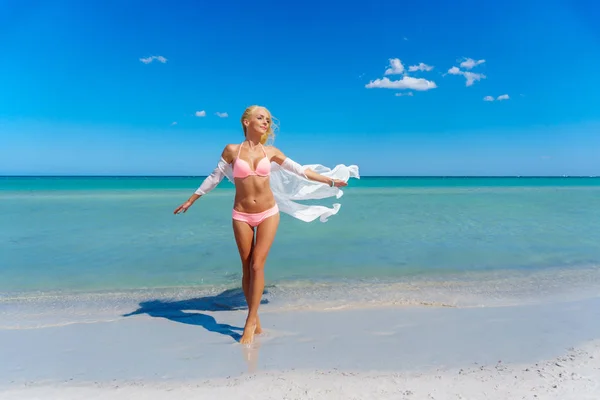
<point>258,329</point>
<point>249,330</point>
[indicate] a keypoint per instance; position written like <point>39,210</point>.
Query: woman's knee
<point>258,264</point>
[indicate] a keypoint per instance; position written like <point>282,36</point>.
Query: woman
<point>263,190</point>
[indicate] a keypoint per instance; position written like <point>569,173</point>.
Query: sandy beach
<point>542,351</point>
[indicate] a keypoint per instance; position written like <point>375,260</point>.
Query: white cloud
<point>407,82</point>
<point>471,77</point>
<point>470,63</point>
<point>420,67</point>
<point>200,113</point>
<point>148,60</point>
<point>499,98</point>
<point>404,94</point>
<point>222,115</point>
<point>173,123</point>
<point>396,67</point>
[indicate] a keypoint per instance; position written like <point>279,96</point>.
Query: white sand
<point>547,351</point>
<point>574,376</point>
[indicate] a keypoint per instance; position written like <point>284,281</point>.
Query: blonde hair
<point>270,133</point>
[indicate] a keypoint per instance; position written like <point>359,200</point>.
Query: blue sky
<point>76,96</point>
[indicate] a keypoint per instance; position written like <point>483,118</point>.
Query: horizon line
<point>362,176</point>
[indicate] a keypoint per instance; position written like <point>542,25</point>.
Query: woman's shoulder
<point>231,147</point>
<point>229,151</point>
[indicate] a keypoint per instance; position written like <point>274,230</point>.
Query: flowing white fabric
<point>213,179</point>
<point>288,188</point>
<point>292,166</point>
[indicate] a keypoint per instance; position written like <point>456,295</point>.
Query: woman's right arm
<point>211,181</point>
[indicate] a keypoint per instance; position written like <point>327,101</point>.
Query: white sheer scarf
<point>288,188</point>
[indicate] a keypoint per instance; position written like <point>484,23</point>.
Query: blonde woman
<point>266,182</point>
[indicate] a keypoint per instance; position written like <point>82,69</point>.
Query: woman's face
<point>259,121</point>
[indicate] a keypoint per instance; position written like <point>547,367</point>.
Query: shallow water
<point>395,240</point>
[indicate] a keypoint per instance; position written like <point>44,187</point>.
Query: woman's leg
<point>244,238</point>
<point>265,234</point>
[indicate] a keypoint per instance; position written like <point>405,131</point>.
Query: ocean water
<point>72,244</point>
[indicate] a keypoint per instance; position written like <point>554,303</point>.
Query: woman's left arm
<point>290,165</point>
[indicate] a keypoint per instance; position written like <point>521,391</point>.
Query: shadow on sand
<point>179,311</point>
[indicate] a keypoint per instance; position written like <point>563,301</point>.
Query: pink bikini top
<point>242,169</point>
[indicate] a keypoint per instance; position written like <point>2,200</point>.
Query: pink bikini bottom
<point>254,219</point>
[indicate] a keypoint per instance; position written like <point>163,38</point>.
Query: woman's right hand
<point>183,208</point>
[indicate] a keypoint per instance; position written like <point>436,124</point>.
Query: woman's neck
<point>252,142</point>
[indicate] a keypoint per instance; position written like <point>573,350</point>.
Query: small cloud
<point>405,38</point>
<point>148,60</point>
<point>404,94</point>
<point>470,63</point>
<point>471,77</point>
<point>200,113</point>
<point>222,115</point>
<point>499,98</point>
<point>407,82</point>
<point>420,67</point>
<point>173,123</point>
<point>396,67</point>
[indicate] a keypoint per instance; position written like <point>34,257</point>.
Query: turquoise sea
<point>71,247</point>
